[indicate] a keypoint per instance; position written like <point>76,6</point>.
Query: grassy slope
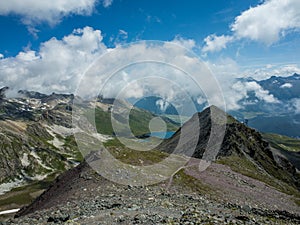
<point>138,121</point>
<point>143,158</point>
<point>279,180</point>
<point>243,166</point>
<point>49,155</point>
<point>282,142</point>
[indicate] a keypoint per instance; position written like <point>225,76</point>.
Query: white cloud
<point>107,3</point>
<point>56,67</point>
<point>33,12</point>
<point>269,66</point>
<point>296,105</point>
<point>121,38</point>
<point>215,43</point>
<point>260,93</point>
<point>266,23</point>
<point>201,100</point>
<point>286,85</point>
<point>27,56</point>
<point>156,67</point>
<point>269,21</point>
<point>59,65</point>
<point>274,70</point>
<point>186,43</point>
<point>226,70</point>
<point>1,56</point>
<point>163,105</point>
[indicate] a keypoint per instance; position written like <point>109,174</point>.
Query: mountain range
<point>248,177</point>
<point>37,141</point>
<point>248,181</point>
<point>281,115</point>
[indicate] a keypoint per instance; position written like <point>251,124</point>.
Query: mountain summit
<point>238,141</point>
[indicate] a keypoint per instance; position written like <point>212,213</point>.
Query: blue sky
<point>154,20</point>
<point>235,38</point>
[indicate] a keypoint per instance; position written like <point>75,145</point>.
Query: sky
<point>47,45</point>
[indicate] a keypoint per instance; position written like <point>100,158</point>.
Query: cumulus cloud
<point>267,23</point>
<point>215,43</point>
<point>57,66</point>
<point>33,12</point>
<point>260,93</point>
<point>187,43</point>
<point>1,56</point>
<point>226,70</point>
<point>161,69</point>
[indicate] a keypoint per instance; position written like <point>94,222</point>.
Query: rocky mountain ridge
<point>239,141</point>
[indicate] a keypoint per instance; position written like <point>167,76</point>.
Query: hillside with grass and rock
<point>249,178</point>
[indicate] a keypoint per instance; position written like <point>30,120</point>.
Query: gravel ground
<point>81,196</point>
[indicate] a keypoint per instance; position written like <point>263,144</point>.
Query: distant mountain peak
<point>296,75</point>
<point>246,79</point>
<point>3,92</point>
<point>31,94</point>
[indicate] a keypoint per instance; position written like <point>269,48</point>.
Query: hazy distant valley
<point>280,114</point>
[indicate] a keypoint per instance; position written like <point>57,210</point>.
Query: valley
<point>252,178</point>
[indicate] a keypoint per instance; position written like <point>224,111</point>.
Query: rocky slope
<point>251,182</point>
<point>241,144</point>
<point>241,188</point>
<point>37,141</point>
<point>215,196</point>
<point>36,145</point>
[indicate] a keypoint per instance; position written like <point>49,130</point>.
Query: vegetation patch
<point>282,142</point>
<point>134,157</point>
<point>24,195</point>
<point>138,122</point>
<point>184,180</point>
<point>244,166</point>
